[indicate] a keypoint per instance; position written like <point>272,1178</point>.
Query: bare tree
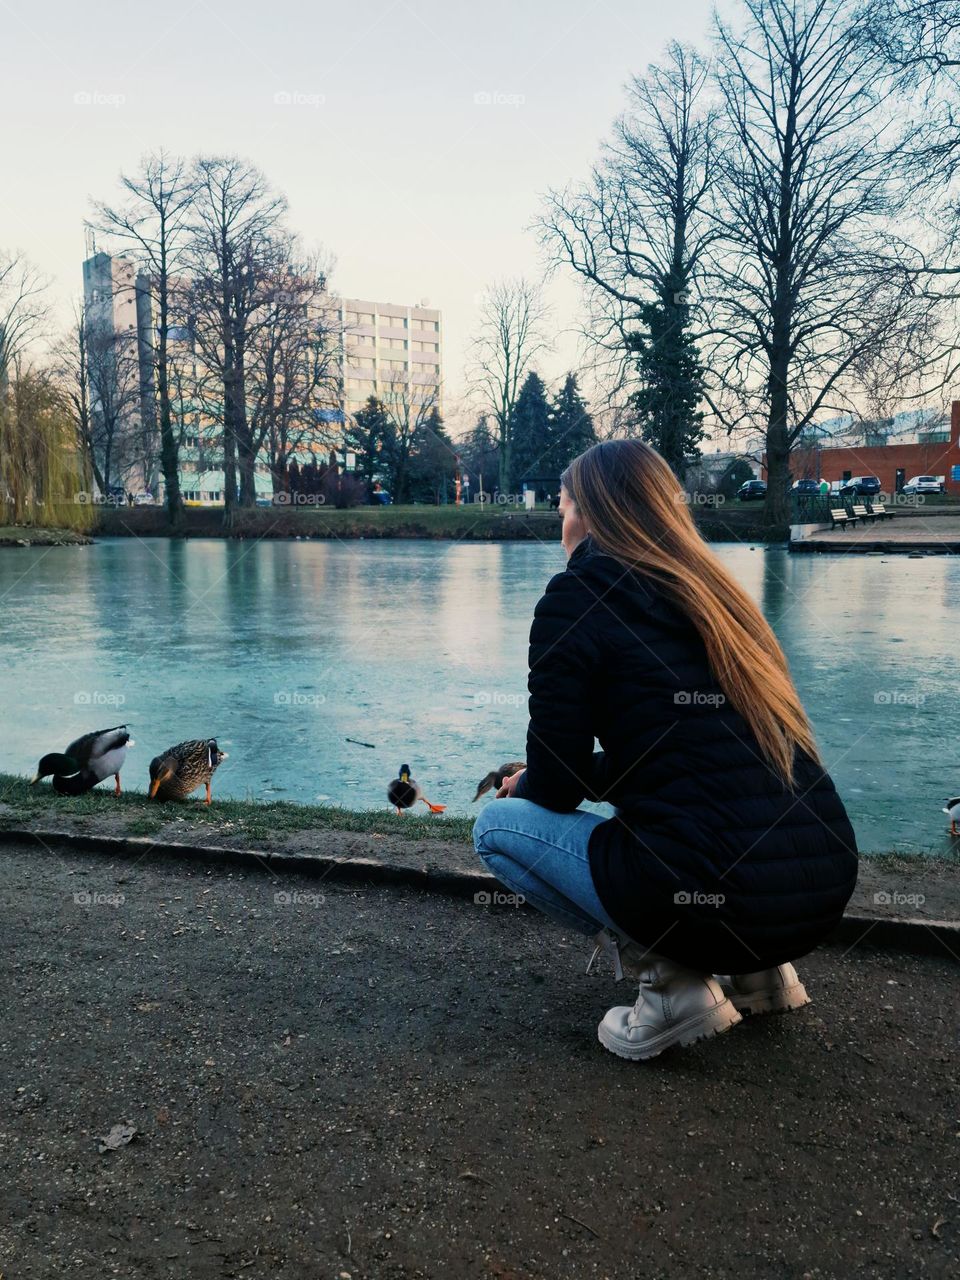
<point>234,257</point>
<point>71,372</point>
<point>294,374</point>
<point>510,337</point>
<point>918,46</point>
<point>152,227</point>
<point>23,309</point>
<point>806,275</point>
<point>636,231</point>
<point>98,373</point>
<point>920,41</point>
<point>410,410</point>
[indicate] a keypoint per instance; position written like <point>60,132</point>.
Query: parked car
<point>143,499</point>
<point>806,486</point>
<point>752,491</point>
<point>923,484</point>
<point>861,487</point>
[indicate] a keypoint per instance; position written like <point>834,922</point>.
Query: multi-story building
<point>392,352</point>
<point>387,350</point>
<point>116,303</point>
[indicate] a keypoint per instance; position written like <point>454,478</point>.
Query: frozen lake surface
<point>283,650</point>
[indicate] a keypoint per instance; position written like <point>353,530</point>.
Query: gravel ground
<point>924,888</point>
<point>370,1083</point>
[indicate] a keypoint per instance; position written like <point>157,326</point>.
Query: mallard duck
<point>496,776</point>
<point>181,769</point>
<point>404,792</point>
<point>952,809</point>
<point>87,761</point>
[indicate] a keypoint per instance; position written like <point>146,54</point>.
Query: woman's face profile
<point>574,530</point>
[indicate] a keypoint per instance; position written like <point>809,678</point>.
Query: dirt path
<point>375,1084</point>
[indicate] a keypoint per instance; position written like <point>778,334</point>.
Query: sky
<point>414,139</point>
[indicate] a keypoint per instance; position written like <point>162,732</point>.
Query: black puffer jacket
<point>709,860</point>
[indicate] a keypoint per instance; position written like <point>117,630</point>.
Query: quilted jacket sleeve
<point>564,662</point>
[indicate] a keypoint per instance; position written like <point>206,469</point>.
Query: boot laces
<point>609,944</point>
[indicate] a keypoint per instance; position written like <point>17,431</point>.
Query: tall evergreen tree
<point>481,457</point>
<point>572,430</point>
<point>368,433</point>
<point>433,461</point>
<point>667,405</point>
<point>532,426</point>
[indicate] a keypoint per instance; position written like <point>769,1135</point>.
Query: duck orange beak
<point>154,787</point>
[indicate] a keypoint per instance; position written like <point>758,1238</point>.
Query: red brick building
<point>892,463</point>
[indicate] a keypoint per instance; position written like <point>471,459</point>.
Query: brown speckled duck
<point>179,770</point>
<point>496,776</point>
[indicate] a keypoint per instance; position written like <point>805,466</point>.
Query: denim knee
<point>487,819</point>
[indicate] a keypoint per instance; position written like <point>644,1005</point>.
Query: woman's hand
<point>509,784</point>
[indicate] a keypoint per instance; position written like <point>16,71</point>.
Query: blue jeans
<point>543,855</point>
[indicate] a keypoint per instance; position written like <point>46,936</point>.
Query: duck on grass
<point>87,761</point>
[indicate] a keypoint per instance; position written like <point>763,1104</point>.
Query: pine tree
<point>532,430</point>
<point>433,460</point>
<point>572,430</point>
<point>666,407</point>
<point>481,457</point>
<point>369,435</point>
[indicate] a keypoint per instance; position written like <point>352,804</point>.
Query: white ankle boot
<point>768,991</point>
<point>675,1006</point>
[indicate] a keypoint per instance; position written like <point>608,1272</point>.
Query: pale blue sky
<point>387,159</point>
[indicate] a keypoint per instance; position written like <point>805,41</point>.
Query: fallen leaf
<point>118,1137</point>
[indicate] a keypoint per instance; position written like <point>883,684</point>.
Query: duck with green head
<point>403,793</point>
<point>87,761</point>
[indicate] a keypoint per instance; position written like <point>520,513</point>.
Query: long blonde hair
<point>636,511</point>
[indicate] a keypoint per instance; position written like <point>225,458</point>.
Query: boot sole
<point>702,1027</point>
<point>778,1001</point>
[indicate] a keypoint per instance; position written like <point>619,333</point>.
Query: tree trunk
<point>505,459</point>
<point>169,448</point>
<point>777,506</point>
<point>247,459</point>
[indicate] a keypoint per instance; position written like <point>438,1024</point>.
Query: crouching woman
<point>729,851</point>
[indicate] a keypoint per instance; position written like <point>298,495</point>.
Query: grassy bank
<point>245,820</point>
<point>466,523</point>
<point>21,535</point>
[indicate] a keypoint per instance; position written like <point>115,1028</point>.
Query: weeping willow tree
<point>44,478</point>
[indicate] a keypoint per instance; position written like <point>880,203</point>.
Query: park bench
<point>880,512</point>
<point>841,518</point>
<point>860,512</point>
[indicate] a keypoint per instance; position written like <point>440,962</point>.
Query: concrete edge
<point>913,934</point>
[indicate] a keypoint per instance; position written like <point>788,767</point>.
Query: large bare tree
<point>637,230</point>
<point>151,226</point>
<point>97,372</point>
<point>511,334</point>
<point>236,251</point>
<point>23,309</point>
<point>294,370</point>
<point>410,410</point>
<point>807,278</point>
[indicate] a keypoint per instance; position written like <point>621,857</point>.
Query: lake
<point>283,650</point>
